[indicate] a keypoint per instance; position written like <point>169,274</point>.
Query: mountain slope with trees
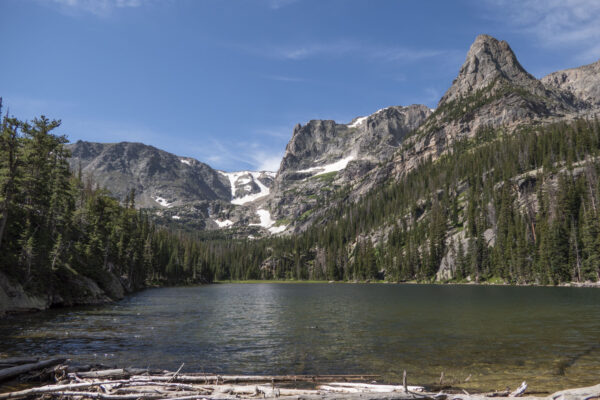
<point>63,241</point>
<point>498,184</point>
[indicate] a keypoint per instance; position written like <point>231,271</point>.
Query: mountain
<point>327,163</point>
<point>499,183</point>
<point>159,178</point>
<point>182,190</point>
<point>324,156</point>
<point>492,90</point>
<point>582,82</point>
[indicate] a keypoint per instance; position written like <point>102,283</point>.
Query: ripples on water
<point>499,335</point>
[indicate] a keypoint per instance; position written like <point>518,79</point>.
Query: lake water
<point>549,337</point>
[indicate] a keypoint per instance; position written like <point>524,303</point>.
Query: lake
<point>498,335</point>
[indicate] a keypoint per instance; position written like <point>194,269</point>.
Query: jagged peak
<point>488,60</point>
<point>583,82</point>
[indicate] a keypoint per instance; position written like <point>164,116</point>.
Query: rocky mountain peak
<point>583,82</point>
<point>487,61</point>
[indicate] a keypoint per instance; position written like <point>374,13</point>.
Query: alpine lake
<point>496,336</point>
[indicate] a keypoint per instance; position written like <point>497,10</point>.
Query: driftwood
<point>11,372</point>
<point>136,384</point>
<point>12,362</point>
<point>119,373</point>
<point>520,390</point>
<point>349,387</point>
<point>199,378</point>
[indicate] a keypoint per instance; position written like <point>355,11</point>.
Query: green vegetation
<point>540,227</point>
<point>326,177</point>
<point>463,108</point>
<point>283,221</point>
<point>518,209</point>
<point>54,224</point>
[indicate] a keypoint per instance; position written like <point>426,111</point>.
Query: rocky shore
<point>72,289</point>
<point>60,380</point>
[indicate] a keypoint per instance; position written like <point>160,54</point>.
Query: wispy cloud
<point>279,132</point>
<point>231,156</point>
<point>100,8</point>
<point>357,49</point>
<point>555,23</point>
<point>277,4</point>
<point>283,78</point>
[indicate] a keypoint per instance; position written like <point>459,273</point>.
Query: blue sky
<point>225,81</point>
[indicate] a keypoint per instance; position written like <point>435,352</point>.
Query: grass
<point>283,221</point>
<point>327,177</point>
<point>306,214</point>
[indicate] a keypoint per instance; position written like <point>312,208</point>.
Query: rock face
<point>324,155</point>
<point>373,138</point>
<point>583,82</point>
<point>491,90</point>
<point>160,179</point>
<point>71,289</point>
<point>488,61</point>
<point>14,299</point>
<point>181,190</point>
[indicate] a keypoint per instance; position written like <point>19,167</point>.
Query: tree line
<point>518,208</point>
<point>55,224</point>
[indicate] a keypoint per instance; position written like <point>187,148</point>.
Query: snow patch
<point>358,121</point>
<point>223,224</point>
<point>324,169</point>
<point>163,202</point>
<point>188,162</point>
<point>267,222</point>
<point>361,120</point>
<point>176,217</point>
<point>233,179</point>
<point>265,219</point>
<point>277,229</point>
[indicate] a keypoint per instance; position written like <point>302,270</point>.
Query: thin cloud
<point>282,78</point>
<point>555,23</point>
<point>268,162</point>
<point>282,132</point>
<point>239,155</point>
<point>99,8</point>
<point>277,4</point>
<point>347,48</point>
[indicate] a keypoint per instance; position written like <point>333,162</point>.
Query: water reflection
<point>499,335</point>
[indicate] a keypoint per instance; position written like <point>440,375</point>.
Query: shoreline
<point>26,303</point>
<point>437,283</point>
<point>57,378</point>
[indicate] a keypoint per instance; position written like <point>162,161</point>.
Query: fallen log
<point>8,373</point>
<point>98,395</point>
<point>268,391</point>
<point>196,378</point>
<point>119,373</point>
<point>55,388</point>
<point>378,387</point>
<point>520,390</point>
<point>11,362</point>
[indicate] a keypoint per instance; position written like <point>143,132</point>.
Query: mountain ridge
<point>492,90</point>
